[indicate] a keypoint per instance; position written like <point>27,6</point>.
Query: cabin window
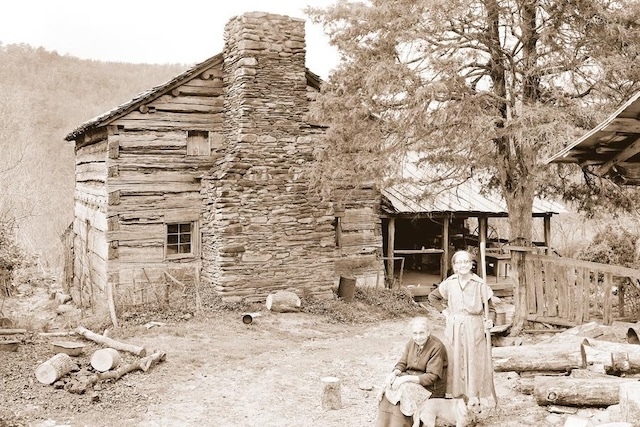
<point>198,143</point>
<point>181,240</point>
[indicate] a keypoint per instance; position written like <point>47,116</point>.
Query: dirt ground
<point>221,372</point>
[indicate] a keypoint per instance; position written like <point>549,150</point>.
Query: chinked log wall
<point>153,180</point>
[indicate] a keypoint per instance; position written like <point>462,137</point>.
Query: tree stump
<point>331,393</point>
<point>56,367</point>
<point>630,401</point>
<point>105,359</point>
<point>283,301</point>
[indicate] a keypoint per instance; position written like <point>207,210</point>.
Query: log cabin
<point>202,180</point>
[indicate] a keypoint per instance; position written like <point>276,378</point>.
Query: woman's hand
<point>391,378</point>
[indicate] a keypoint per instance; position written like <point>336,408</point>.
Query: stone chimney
<point>263,230</point>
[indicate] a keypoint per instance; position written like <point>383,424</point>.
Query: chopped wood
<point>144,364</point>
<point>567,391</point>
<point>105,359</point>
<point>108,342</point>
<point>54,368</point>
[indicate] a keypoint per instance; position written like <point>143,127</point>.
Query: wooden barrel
<point>347,288</point>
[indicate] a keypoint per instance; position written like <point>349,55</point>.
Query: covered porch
<point>420,235</point>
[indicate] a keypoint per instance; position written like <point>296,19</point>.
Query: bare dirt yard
<point>221,372</point>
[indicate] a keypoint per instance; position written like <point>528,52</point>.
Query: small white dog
<point>452,411</point>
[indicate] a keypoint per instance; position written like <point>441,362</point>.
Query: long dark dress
<point>430,364</point>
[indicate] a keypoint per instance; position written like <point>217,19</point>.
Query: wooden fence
<point>569,292</point>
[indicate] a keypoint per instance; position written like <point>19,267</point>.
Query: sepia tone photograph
<point>334,213</point>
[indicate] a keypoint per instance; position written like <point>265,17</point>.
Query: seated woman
<point>420,373</point>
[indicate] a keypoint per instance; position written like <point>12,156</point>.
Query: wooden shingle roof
<point>104,119</point>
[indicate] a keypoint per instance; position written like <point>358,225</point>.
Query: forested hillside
<point>44,96</point>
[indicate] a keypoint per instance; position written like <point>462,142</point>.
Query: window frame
<point>194,240</point>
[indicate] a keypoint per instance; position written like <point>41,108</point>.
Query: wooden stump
<point>56,367</point>
<point>630,401</point>
<point>105,359</point>
<point>283,301</point>
<point>331,393</point>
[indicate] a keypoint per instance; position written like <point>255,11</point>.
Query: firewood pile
<point>590,365</point>
<point>107,363</point>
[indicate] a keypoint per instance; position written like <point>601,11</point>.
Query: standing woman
<point>460,298</point>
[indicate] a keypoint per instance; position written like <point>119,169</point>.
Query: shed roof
<point>464,198</point>
<point>408,197</point>
<point>313,80</point>
<point>613,145</point>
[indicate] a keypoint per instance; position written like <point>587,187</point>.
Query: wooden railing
<point>569,292</point>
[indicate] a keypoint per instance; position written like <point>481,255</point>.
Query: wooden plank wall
<point>90,225</point>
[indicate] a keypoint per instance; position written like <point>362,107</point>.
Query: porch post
<point>547,233</point>
<point>391,238</point>
<point>444,261</point>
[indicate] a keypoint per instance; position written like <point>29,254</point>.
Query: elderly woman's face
<point>462,264</point>
<point>420,333</point>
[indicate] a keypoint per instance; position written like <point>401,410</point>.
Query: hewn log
<point>569,391</point>
<point>541,357</point>
<point>632,352</point>
<point>283,301</point>
<point>108,342</point>
<point>54,368</point>
<point>331,393</point>
<point>630,401</point>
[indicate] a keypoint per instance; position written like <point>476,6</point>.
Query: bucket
<point>347,288</point>
<point>501,318</point>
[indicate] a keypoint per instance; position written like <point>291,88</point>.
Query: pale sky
<point>147,31</point>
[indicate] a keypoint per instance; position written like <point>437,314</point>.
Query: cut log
<point>595,358</point>
<point>56,367</point>
<point>12,331</point>
<point>567,391</point>
<point>108,342</point>
<point>143,364</point>
<point>331,393</point>
<point>630,401</point>
<point>540,357</point>
<point>618,349</point>
<point>105,359</point>
<point>283,301</point>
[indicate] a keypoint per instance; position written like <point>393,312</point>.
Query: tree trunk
<point>54,368</point>
<point>578,391</point>
<point>108,342</point>
<point>542,358</point>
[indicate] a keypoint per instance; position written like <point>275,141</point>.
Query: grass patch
<point>368,305</point>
